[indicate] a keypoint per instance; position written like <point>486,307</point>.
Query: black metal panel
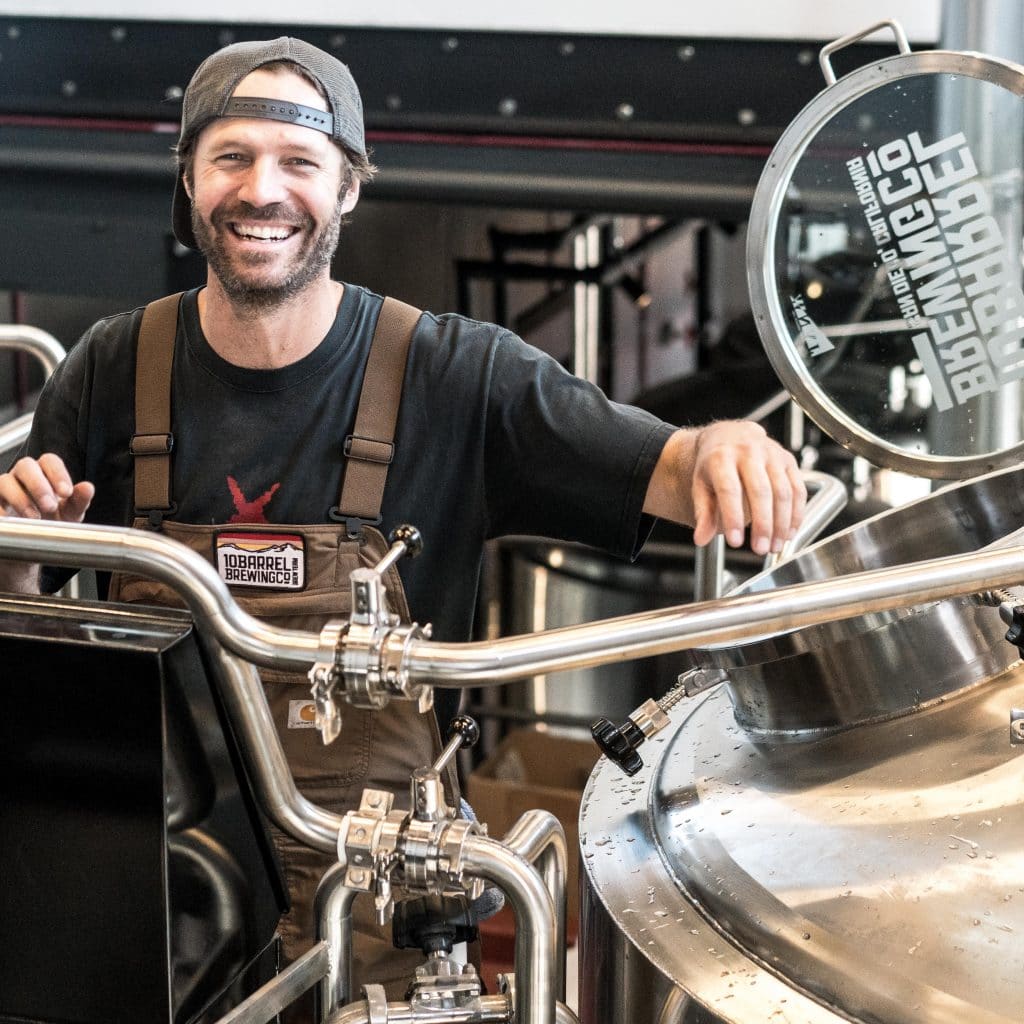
<point>506,82</point>
<point>136,881</point>
<point>582,123</point>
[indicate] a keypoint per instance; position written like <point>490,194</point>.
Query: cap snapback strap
<point>280,110</point>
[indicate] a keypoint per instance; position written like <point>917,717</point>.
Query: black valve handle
<point>463,732</point>
<point>619,743</point>
<point>465,727</point>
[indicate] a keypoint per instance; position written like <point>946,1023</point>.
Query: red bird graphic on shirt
<point>249,511</point>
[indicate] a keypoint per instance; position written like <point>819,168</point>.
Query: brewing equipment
<point>828,826</point>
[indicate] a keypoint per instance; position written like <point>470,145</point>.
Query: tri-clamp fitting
<point>421,850</point>
<point>362,661</point>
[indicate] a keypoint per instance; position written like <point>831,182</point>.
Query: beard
<point>242,280</point>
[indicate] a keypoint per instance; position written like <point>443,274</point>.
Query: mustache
<point>280,213</point>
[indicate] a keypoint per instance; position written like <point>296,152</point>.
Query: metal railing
<point>49,351</point>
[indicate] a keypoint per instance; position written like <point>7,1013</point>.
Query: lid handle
<point>839,44</point>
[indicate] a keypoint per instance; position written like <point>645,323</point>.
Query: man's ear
<point>187,184</point>
<point>351,197</point>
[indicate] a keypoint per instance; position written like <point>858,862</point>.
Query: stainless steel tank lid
<point>884,261</point>
<point>872,876</point>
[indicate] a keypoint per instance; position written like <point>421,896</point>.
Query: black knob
<point>409,536</point>
<point>619,743</point>
<point>1015,634</point>
<point>433,923</point>
<point>466,727</point>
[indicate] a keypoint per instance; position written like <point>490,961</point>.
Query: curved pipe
<point>495,662</point>
<point>535,924</point>
<point>22,338</point>
<point>265,759</point>
<point>84,545</point>
<point>828,498</point>
<point>538,837</point>
<point>332,908</point>
<point>49,351</point>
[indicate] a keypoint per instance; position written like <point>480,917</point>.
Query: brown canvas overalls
<point>378,749</point>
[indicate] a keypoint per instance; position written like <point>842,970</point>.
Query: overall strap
<point>152,443</point>
<point>370,447</point>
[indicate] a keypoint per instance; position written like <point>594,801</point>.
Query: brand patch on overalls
<point>275,561</point>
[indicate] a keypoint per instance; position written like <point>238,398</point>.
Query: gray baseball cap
<point>209,96</point>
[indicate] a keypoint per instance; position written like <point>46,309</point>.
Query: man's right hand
<point>42,489</point>
<point>39,489</point>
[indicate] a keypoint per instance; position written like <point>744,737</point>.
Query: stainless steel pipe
<point>49,351</point>
<point>265,759</point>
<point>538,837</point>
<point>712,622</point>
<point>535,924</point>
<point>332,908</point>
<point>83,545</point>
<point>22,338</point>
<point>495,662</point>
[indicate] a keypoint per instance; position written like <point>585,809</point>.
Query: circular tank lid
<point>884,261</point>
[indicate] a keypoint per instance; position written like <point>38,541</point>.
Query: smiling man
<point>280,422</point>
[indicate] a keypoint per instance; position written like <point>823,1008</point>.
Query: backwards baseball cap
<point>210,96</point>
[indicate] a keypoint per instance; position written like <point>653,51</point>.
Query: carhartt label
<point>274,561</point>
<point>301,714</point>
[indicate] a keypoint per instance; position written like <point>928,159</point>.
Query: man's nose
<point>263,183</point>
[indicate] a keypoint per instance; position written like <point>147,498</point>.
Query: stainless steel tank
<point>833,830</point>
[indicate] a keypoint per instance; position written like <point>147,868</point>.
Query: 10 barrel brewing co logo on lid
<point>269,561</point>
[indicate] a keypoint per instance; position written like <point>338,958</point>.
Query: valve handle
<point>466,727</point>
<point>404,540</point>
<point>410,537</point>
<point>619,743</point>
<point>463,732</point>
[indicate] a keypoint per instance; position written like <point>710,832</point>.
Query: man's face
<point>266,196</point>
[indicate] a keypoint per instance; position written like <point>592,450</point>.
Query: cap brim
<point>181,216</point>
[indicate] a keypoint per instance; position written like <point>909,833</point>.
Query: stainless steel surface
<point>829,677</point>
<point>872,876</point>
<point>545,585</point>
<point>266,1003</point>
<point>493,1010</point>
<point>82,545</point>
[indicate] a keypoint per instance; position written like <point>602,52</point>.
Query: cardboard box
<point>532,769</point>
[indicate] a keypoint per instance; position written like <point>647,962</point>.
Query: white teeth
<point>264,232</point>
